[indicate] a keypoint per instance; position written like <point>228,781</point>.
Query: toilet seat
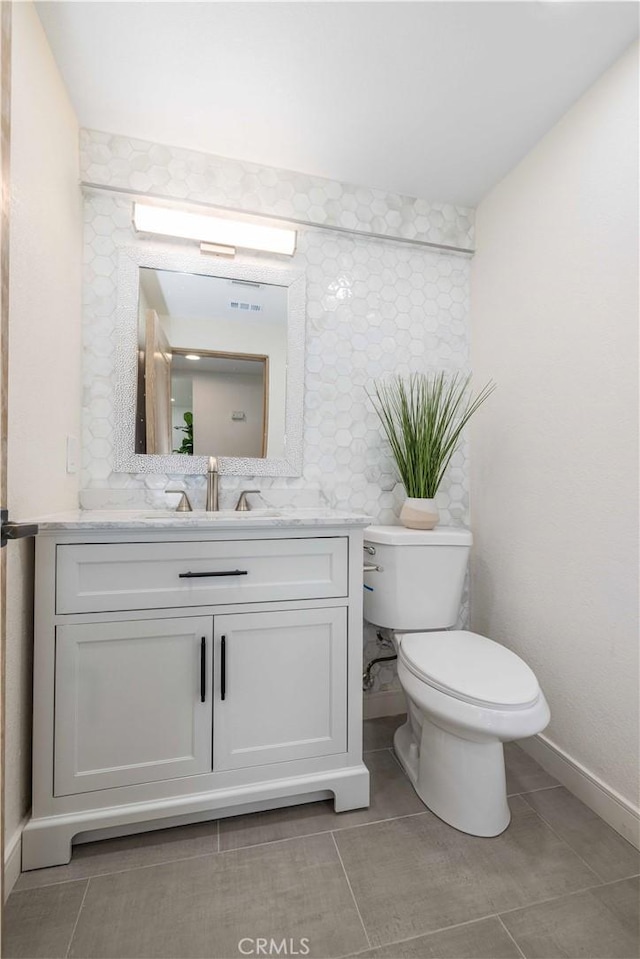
<point>470,668</point>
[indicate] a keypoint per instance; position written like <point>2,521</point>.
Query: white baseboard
<point>13,858</point>
<point>620,814</point>
<point>388,702</point>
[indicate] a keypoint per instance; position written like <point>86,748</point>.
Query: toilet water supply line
<point>367,680</point>
<point>384,640</point>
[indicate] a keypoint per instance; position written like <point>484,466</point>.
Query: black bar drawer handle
<point>223,667</point>
<point>203,669</point>
<point>225,572</point>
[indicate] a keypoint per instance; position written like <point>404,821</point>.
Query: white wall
<point>554,452</point>
<point>46,237</point>
<point>241,335</point>
<point>45,352</point>
<point>215,397</point>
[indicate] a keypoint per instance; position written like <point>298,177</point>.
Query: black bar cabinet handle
<point>203,669</point>
<point>223,667</point>
<point>225,572</point>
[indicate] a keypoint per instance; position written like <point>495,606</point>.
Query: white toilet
<point>466,695</point>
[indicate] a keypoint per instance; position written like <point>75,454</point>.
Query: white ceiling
<point>194,296</point>
<point>431,99</point>
<point>214,364</point>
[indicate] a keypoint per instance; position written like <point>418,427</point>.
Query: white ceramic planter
<point>419,513</point>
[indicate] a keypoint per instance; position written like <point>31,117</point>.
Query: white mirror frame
<point>128,461</point>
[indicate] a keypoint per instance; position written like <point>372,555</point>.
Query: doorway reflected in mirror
<point>212,362</point>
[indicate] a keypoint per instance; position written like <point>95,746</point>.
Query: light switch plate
<point>72,454</point>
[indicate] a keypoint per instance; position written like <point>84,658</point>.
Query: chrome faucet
<point>184,504</point>
<point>243,503</point>
<point>212,485</point>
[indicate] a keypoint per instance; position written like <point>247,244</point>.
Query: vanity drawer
<point>118,576</point>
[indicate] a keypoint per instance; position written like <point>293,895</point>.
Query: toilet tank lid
<point>401,536</point>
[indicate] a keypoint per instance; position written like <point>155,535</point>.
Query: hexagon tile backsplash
<point>374,306</point>
<point>137,165</point>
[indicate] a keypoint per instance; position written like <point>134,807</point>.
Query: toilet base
<point>461,781</point>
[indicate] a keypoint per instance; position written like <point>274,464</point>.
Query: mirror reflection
<point>212,364</point>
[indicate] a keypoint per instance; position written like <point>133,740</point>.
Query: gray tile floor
<point>389,881</point>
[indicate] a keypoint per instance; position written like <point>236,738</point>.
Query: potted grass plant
<point>423,416</point>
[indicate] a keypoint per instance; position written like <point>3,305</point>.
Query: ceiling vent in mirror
<point>215,234</point>
<point>253,307</point>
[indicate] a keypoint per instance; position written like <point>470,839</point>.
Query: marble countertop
<point>159,519</point>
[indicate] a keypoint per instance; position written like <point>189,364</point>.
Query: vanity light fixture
<point>215,234</point>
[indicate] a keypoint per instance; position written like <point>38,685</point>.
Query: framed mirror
<point>211,363</point>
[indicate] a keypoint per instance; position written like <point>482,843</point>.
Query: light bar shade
<point>203,228</point>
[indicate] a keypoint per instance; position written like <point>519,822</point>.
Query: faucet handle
<point>184,506</point>
<point>242,505</point>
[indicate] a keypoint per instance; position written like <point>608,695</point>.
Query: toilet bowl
<point>466,694</point>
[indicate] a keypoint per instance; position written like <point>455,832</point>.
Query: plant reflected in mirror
<point>186,446</point>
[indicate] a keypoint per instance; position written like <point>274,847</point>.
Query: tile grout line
<point>323,832</point>
<point>567,844</point>
<point>75,925</point>
<point>496,915</point>
<point>114,872</point>
<point>355,902</point>
<point>373,822</point>
<point>599,818</point>
<point>222,852</point>
<point>565,895</point>
<point>399,764</point>
<point>540,789</point>
<point>425,935</point>
<point>513,940</point>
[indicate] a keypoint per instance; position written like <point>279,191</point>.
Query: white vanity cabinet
<point>281,692</point>
<point>187,669</point>
<point>133,702</point>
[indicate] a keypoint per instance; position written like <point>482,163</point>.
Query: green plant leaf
<point>186,447</point>
<point>423,417</point>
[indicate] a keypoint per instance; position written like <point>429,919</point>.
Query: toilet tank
<point>421,577</point>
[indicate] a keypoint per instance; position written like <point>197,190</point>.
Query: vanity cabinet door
<point>133,702</point>
<point>280,686</point>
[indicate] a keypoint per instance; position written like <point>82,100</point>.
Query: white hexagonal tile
<point>373,308</point>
